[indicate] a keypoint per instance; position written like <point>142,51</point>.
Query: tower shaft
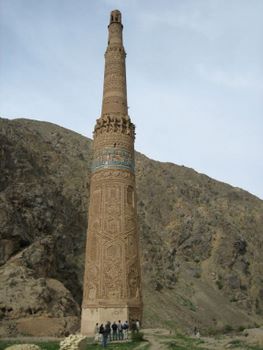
<point>114,89</point>
<point>112,280</point>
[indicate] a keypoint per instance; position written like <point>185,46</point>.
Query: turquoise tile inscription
<point>112,158</point>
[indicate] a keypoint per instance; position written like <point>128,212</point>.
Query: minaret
<point>112,281</point>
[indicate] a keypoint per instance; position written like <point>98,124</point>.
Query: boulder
<point>254,335</point>
<point>74,342</point>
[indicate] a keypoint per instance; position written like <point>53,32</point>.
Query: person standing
<point>133,326</point>
<point>196,332</point>
<point>114,331</point>
<point>137,326</point>
<point>125,330</point>
<point>101,331</point>
<point>105,335</point>
<point>108,330</point>
<point>97,333</point>
<point>120,330</point>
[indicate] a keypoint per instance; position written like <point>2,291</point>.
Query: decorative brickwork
<point>112,281</point>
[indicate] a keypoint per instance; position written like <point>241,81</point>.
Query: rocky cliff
<point>201,240</point>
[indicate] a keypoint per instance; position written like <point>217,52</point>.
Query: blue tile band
<point>112,158</point>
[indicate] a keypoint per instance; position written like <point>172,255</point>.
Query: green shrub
<point>241,328</point>
<point>219,284</point>
<point>212,331</point>
<point>228,328</point>
<point>235,343</point>
<point>137,337</point>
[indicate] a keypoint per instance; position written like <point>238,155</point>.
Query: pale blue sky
<point>194,72</point>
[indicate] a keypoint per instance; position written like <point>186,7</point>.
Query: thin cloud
<point>234,80</point>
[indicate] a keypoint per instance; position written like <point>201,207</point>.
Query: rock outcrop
<point>31,303</point>
<point>201,239</point>
<point>74,342</point>
<point>254,336</point>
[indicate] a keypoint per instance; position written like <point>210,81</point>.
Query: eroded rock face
<point>7,249</point>
<point>28,289</point>
<point>30,300</point>
<point>201,240</point>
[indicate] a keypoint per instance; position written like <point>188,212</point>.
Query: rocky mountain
<point>201,240</point>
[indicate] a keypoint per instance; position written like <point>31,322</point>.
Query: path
<point>152,336</point>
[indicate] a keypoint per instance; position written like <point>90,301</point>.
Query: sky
<point>194,75</point>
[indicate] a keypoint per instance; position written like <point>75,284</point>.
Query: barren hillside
<point>201,240</point>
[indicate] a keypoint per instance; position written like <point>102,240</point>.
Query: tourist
<point>101,332</point>
<point>120,330</point>
<point>137,326</point>
<point>105,331</point>
<point>108,329</point>
<point>97,333</point>
<point>196,332</point>
<point>125,330</point>
<point>133,326</point>
<point>114,331</point>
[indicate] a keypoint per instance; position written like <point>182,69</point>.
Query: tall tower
<point>112,281</point>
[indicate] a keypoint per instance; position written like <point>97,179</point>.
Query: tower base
<point>91,316</point>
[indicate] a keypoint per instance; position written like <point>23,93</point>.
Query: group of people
<point>115,331</point>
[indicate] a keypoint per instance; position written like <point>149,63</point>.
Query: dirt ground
<point>162,339</point>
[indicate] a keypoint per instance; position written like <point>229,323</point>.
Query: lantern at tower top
<point>115,16</point>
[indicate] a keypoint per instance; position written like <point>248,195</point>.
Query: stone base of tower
<point>91,316</point>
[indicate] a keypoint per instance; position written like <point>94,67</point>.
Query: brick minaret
<point>112,281</point>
